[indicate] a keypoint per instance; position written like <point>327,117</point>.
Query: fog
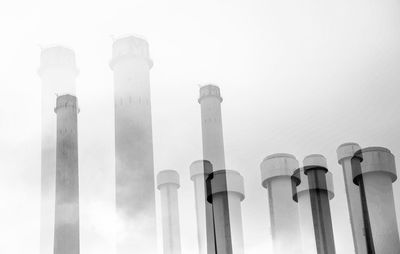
<point>298,77</point>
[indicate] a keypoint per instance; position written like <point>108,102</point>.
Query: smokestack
<point>211,122</point>
<point>168,184</point>
<point>66,228</point>
<point>199,171</point>
<point>276,175</point>
<point>344,153</point>
<point>58,74</point>
<point>134,166</point>
<point>301,194</point>
<point>225,191</point>
<point>315,168</point>
<point>374,171</point>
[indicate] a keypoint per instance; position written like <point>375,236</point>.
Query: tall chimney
<point>58,74</point>
<point>225,191</point>
<point>199,171</point>
<point>276,174</point>
<point>66,228</point>
<point>211,122</point>
<point>168,184</point>
<point>344,153</point>
<point>374,171</point>
<point>315,168</point>
<point>134,166</point>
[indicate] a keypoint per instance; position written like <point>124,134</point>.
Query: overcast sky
<point>297,76</point>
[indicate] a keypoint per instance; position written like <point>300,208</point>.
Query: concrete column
<point>66,228</point>
<point>58,74</point>
<point>301,194</point>
<point>199,171</point>
<point>276,175</point>
<point>344,153</point>
<point>315,167</point>
<point>211,122</point>
<point>168,184</point>
<point>225,191</point>
<point>374,171</point>
<point>134,165</point>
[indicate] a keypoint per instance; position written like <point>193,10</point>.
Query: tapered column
<point>199,171</point>
<point>225,191</point>
<point>344,153</point>
<point>211,122</point>
<point>315,167</point>
<point>134,169</point>
<point>66,228</point>
<point>301,194</point>
<point>168,184</point>
<point>374,171</point>
<point>58,74</point>
<point>276,175</point>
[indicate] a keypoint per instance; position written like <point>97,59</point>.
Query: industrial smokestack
<point>315,168</point>
<point>344,153</point>
<point>276,175</point>
<point>211,122</point>
<point>199,171</point>
<point>225,191</point>
<point>168,184</point>
<point>301,194</point>
<point>58,73</point>
<point>374,171</point>
<point>134,166</point>
<point>66,228</point>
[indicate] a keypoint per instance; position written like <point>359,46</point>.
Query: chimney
<point>66,228</point>
<point>374,171</point>
<point>58,74</point>
<point>168,184</point>
<point>134,165</point>
<point>199,171</point>
<point>276,174</point>
<point>315,168</point>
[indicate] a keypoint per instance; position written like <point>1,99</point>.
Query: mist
<point>298,77</point>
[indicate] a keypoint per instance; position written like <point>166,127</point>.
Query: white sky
<point>297,76</point>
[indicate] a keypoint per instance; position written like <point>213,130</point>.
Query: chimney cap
<point>347,151</point>
<point>130,47</point>
<point>209,91</point>
<point>57,56</point>
<point>277,165</point>
<point>200,167</point>
<point>375,159</point>
<point>166,177</point>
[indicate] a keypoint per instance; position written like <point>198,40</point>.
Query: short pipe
<point>344,154</point>
<point>199,171</point>
<point>225,191</point>
<point>276,176</point>
<point>168,184</point>
<point>374,171</point>
<point>315,167</point>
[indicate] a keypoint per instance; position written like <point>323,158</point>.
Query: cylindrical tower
<point>301,194</point>
<point>225,191</point>
<point>199,171</point>
<point>344,153</point>
<point>315,167</point>
<point>58,73</point>
<point>276,176</point>
<point>168,184</point>
<point>211,122</point>
<point>66,228</point>
<point>134,166</point>
<point>374,171</point>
